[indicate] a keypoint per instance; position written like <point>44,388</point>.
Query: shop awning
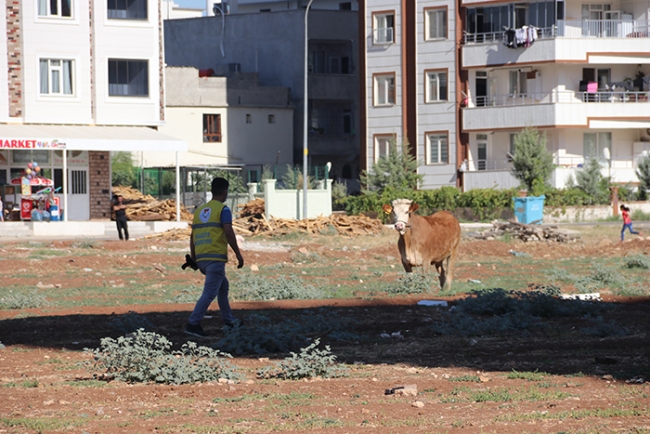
<point>87,138</point>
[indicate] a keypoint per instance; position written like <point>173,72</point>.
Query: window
<point>385,89</point>
<point>481,151</point>
<point>347,122</point>
<point>382,146</point>
<point>56,77</point>
<point>271,119</point>
<point>517,83</point>
<point>436,24</point>
<point>383,28</point>
<point>511,150</point>
<point>346,6</point>
<point>249,119</point>
<point>436,86</point>
<point>437,149</point>
<point>128,78</point>
<point>594,145</point>
<point>211,128</point>
<point>55,8</point>
<point>127,9</point>
<point>78,182</point>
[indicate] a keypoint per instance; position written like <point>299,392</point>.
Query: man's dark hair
<point>219,185</point>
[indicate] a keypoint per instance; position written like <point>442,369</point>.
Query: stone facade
<point>99,179</point>
<point>14,59</point>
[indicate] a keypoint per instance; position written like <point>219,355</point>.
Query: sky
<point>190,3</point>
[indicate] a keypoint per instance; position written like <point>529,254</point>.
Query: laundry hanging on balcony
<point>523,37</point>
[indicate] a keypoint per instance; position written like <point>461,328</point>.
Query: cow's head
<point>400,211</point>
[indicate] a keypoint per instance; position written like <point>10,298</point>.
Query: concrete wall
<point>288,204</point>
<point>587,213</point>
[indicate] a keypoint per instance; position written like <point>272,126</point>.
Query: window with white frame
<point>128,77</point>
<point>383,28</point>
<point>594,145</point>
<point>518,83</point>
<point>436,24</point>
<point>127,9</point>
<point>384,89</point>
<point>437,148</point>
<point>436,86</point>
<point>382,146</point>
<point>55,8</point>
<point>56,77</point>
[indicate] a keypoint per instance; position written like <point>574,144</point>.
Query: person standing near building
<point>120,217</point>
<point>2,215</point>
<point>627,222</point>
<point>212,233</point>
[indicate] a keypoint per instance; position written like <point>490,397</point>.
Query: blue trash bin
<point>54,213</point>
<point>529,209</point>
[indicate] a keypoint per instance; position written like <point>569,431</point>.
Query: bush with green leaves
<point>397,170</point>
<point>123,171</point>
<point>643,173</point>
<point>591,180</point>
<point>532,162</point>
<point>311,362</point>
<point>293,179</point>
<point>638,261</point>
<point>416,282</point>
<point>18,299</point>
<point>147,357</point>
<point>251,287</point>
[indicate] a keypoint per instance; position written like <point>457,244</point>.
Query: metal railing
<point>560,97</point>
<point>574,29</point>
<point>566,162</point>
<point>383,36</point>
<point>487,165</point>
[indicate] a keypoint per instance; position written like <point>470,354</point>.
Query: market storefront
<point>76,159</point>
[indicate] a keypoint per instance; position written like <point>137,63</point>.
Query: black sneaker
<point>195,330</point>
<point>234,324</point>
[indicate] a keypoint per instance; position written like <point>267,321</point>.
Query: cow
<point>425,241</point>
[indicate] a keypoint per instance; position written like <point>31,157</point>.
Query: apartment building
<point>82,78</point>
<point>575,70</point>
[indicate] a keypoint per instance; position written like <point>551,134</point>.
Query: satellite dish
<point>606,154</point>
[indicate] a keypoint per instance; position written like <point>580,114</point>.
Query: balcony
<point>569,40</point>
<point>556,108</point>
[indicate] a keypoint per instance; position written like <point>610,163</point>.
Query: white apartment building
<point>581,77</point>
<point>83,78</point>
<point>256,6</point>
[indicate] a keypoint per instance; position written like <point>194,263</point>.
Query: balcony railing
<point>329,126</point>
<point>560,97</point>
<point>567,162</point>
<point>574,29</point>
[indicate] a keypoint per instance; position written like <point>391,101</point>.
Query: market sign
<point>31,144</point>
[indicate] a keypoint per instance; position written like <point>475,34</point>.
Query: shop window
<point>438,149</point>
<point>211,128</point>
<point>128,77</point>
<point>127,9</point>
<point>55,8</point>
<point>56,76</point>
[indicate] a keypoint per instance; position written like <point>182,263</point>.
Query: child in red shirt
<point>627,222</point>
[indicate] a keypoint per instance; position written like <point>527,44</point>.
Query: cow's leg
<point>407,266</point>
<point>450,263</point>
<point>442,275</point>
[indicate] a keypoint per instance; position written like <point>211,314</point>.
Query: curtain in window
<point>67,77</point>
<point>42,8</point>
<point>45,88</point>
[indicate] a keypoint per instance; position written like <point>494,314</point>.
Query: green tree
<point>532,163</point>
<point>591,180</point>
<point>293,179</point>
<point>397,171</point>
<point>643,173</point>
<point>123,171</point>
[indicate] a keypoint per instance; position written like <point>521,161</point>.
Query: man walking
<point>212,233</point>
<point>120,218</point>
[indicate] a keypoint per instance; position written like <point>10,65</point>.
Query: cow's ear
<point>414,207</point>
<point>387,209</point>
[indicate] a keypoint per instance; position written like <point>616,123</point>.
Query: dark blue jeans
<point>216,286</point>
<point>629,227</point>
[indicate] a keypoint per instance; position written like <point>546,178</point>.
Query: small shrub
<point>85,244</point>
<point>252,287</point>
<point>412,283</point>
<point>311,362</point>
<point>529,376</point>
<point>638,261</point>
<point>146,357</point>
<point>306,258</point>
<point>19,300</point>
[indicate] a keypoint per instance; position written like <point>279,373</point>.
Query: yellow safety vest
<point>210,242</point>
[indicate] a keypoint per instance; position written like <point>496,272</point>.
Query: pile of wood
<point>140,207</point>
<point>526,232</point>
<point>172,235</point>
<point>336,223</point>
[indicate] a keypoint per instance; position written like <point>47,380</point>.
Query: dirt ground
<point>574,382</point>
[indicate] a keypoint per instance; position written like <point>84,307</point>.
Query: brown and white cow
<point>426,241</point>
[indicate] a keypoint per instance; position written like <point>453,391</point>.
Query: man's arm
<point>232,242</point>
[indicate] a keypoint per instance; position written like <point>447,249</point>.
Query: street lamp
<point>305,148</point>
